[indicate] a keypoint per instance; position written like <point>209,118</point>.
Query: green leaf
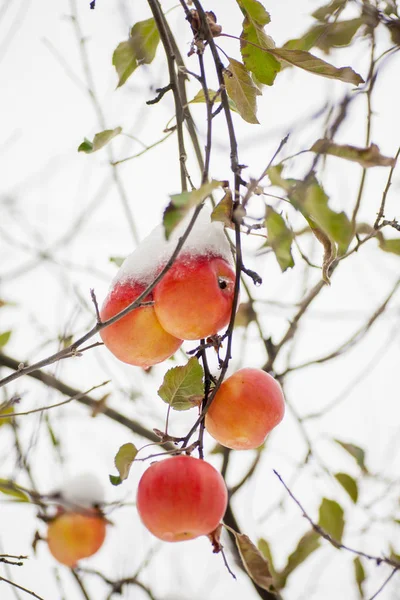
<point>4,337</point>
<point>391,245</point>
<point>53,438</point>
<point>124,61</point>
<point>356,452</point>
<point>99,140</point>
<point>6,411</point>
<point>359,574</point>
<point>181,204</point>
<point>123,462</point>
<point>240,87</point>
<point>328,9</point>
<point>349,484</point>
<point>275,176</point>
<point>218,449</point>
<point>86,146</point>
<point>183,387</point>
<point>115,479</point>
<point>212,94</point>
<point>9,488</point>
<point>265,550</point>
<point>253,561</point>
<point>394,27</point>
<point>366,157</point>
<point>338,34</point>
<point>394,555</point>
<point>254,41</point>
<point>263,65</point>
<point>307,544</point>
<point>117,260</point>
<point>329,227</point>
<point>255,11</point>
<point>317,66</point>
<point>336,225</point>
<point>327,36</point>
<point>224,210</point>
<point>331,519</point>
<point>280,238</point>
<point>140,49</point>
<point>306,42</point>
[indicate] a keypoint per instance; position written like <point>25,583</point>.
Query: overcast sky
<point>62,217</point>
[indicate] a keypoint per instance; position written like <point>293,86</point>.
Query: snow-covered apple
<point>138,338</point>
<point>194,299</point>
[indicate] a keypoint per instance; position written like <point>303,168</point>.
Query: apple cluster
<point>181,497</point>
<point>192,301</point>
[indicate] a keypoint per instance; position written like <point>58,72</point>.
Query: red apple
<point>72,536</point>
<point>181,498</point>
<point>194,298</point>
<point>247,406</point>
<point>137,339</point>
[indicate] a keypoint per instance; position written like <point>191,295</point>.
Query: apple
<point>194,298</point>
<point>181,498</point>
<point>138,338</point>
<point>247,406</point>
<point>72,536</point>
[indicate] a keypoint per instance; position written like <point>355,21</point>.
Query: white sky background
<point>45,185</point>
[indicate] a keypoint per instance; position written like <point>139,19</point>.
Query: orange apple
<point>247,406</point>
<point>181,498</point>
<point>72,536</point>
<point>194,299</point>
<point>137,339</point>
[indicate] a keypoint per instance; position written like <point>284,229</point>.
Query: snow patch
<point>206,238</point>
<point>83,490</point>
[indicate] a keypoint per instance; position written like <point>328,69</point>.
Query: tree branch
<point>85,399</point>
<point>338,545</point>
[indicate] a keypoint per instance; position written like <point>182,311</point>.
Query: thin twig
<point>207,385</point>
<point>43,408</point>
<point>146,149</point>
<point>80,584</point>
<point>371,80</point>
<point>22,589</point>
<point>96,406</point>
<point>159,19</point>
<point>304,305</point>
<point>246,477</point>
<point>236,168</point>
<point>368,368</point>
<point>378,559</point>
<point>10,559</point>
<point>118,584</point>
<point>222,552</point>
<point>209,106</point>
<point>72,349</point>
<point>254,184</point>
<point>353,340</point>
<point>380,214</point>
<point>384,584</point>
<point>82,40</point>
